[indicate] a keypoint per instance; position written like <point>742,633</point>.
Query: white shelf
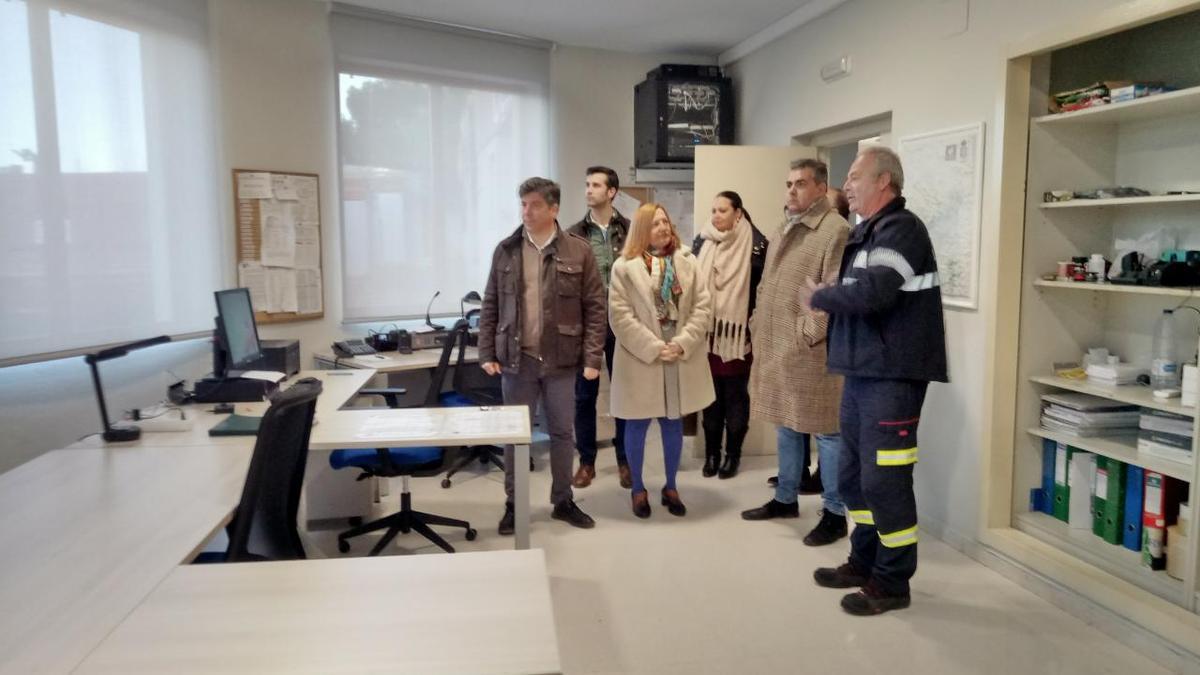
<point>1173,103</point>
<point>1121,201</point>
<point>1112,558</point>
<point>1132,394</point>
<point>1121,449</point>
<point>1119,288</point>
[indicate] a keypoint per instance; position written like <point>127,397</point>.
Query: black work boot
<point>831,528</point>
<point>871,600</point>
<point>571,514</point>
<point>730,468</point>
<point>845,575</point>
<point>507,521</point>
<point>712,460</point>
<point>772,509</point>
<point>810,483</point>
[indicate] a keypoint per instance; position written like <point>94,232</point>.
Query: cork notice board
<point>278,217</point>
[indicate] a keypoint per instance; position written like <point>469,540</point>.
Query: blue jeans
<point>793,457</point>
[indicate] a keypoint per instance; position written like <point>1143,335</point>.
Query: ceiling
<point>699,27</point>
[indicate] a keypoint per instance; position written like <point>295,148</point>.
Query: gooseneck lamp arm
<point>117,434</point>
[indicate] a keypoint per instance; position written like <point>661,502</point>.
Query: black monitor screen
<point>238,329</point>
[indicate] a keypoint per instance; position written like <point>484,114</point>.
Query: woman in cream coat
<point>659,311</point>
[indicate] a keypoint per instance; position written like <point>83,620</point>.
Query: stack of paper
<point>1113,373</point>
<point>1165,434</point>
<point>1085,415</point>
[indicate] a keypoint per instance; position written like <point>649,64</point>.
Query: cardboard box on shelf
<point>1176,551</point>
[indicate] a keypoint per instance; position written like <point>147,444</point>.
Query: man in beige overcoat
<point>790,386</point>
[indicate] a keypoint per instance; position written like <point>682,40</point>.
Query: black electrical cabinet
<point>678,107</point>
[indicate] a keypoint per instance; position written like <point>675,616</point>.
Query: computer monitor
<point>237,334</point>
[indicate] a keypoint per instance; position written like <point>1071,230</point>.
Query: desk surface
<point>485,612</point>
<point>358,428</point>
<point>395,362</point>
<point>89,533</point>
<point>413,427</point>
<point>339,388</point>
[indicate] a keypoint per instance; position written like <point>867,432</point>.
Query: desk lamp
<point>471,298</point>
<point>125,433</point>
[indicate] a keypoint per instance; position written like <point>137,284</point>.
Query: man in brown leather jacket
<point>544,318</point>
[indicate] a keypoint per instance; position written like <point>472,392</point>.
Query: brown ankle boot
<point>641,504</point>
<point>584,476</point>
<point>670,499</point>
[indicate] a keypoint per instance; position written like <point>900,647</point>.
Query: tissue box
<point>1134,90</point>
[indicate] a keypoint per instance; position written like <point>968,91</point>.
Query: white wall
<point>904,61</point>
<point>591,98</point>
<point>277,105</point>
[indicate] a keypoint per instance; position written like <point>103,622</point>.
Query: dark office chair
<point>264,526</point>
<point>405,463</point>
<point>473,387</point>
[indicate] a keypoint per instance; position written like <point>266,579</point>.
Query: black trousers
<point>586,393</point>
<point>728,414</point>
<point>875,476</point>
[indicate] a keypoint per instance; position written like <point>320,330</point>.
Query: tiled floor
<point>711,593</point>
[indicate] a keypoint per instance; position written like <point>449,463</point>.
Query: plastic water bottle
<point>1164,369</point>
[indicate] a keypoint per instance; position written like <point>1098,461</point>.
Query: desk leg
<point>521,495</point>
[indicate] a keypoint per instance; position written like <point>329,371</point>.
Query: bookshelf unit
<point>1150,143</point>
<point>1105,146</point>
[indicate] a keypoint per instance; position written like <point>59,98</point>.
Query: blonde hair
<point>638,239</point>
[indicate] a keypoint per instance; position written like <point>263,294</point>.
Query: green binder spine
<point>1100,494</point>
<point>1114,510</point>
<point>1062,495</point>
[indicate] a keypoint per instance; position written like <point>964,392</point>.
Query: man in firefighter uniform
<point>887,337</point>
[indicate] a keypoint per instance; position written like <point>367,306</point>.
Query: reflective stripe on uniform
<point>891,259</point>
<point>922,283</point>
<point>849,281</point>
<point>906,537</point>
<point>864,517</point>
<point>895,261</point>
<point>896,457</point>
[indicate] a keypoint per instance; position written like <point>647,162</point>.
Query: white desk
<point>335,494</point>
<point>339,387</point>
<point>486,612</point>
<point>395,362</point>
<point>90,531</point>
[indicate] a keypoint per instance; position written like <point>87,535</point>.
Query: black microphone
<point>428,322</point>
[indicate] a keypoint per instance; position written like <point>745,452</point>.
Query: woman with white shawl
<point>731,252</point>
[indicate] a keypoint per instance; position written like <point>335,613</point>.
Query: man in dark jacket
<point>604,228</point>
<point>542,321</point>
<point>887,337</point>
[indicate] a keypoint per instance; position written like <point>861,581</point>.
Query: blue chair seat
<point>453,399</point>
<point>367,458</point>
